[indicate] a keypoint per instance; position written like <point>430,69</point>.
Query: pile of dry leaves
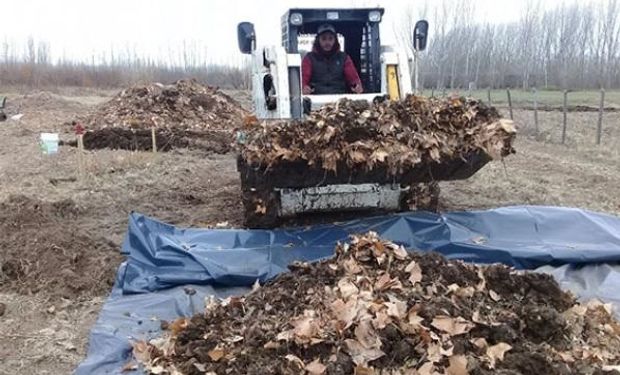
<point>392,135</point>
<point>377,309</point>
<point>184,105</point>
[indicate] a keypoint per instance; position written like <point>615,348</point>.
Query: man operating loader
<point>328,70</point>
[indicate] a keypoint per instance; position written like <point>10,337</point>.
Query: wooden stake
<point>564,116</point>
<point>489,96</point>
<point>509,103</point>
<point>601,110</point>
<point>154,138</point>
<point>536,111</point>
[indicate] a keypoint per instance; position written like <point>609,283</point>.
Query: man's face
<point>327,41</point>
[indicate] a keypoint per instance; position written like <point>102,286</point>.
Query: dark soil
<point>43,249</point>
<point>293,321</point>
<point>218,142</point>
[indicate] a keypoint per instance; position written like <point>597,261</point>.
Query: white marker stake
<point>154,140</point>
<point>80,144</point>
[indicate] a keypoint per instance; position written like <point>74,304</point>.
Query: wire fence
<point>568,103</point>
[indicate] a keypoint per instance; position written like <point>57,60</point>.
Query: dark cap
<point>325,28</point>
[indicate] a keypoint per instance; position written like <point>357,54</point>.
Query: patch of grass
<point>545,97</point>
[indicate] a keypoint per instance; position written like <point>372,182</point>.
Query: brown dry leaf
<point>452,326</point>
<point>381,320</point>
<point>330,131</point>
<point>129,366</point>
<point>295,359</point>
<point>400,253</point>
<point>361,355</point>
<point>379,155</point>
<point>483,281</point>
<point>362,370</point>
<point>260,209</point>
<point>415,272</point>
<point>494,296</point>
<point>366,335</point>
<point>200,367</point>
<point>458,365</point>
<point>344,313</point>
<point>357,156</point>
<point>178,325</point>
<point>216,354</point>
<point>414,319</point>
<point>496,353</point>
<point>142,351</point>
<point>508,126</point>
<point>566,357</point>
<point>306,328</point>
<point>250,121</point>
<point>385,282</point>
<point>315,367</point>
<point>427,368</point>
<point>347,288</point>
<point>579,310</point>
<point>396,308</point>
<point>352,267</point>
<point>479,342</point>
<point>271,345</point>
<point>435,353</point>
<point>466,292</point>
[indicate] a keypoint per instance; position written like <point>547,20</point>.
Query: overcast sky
<point>78,29</point>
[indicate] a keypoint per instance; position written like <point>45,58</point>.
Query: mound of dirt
<point>376,309</point>
<point>184,105</point>
<point>43,250</point>
<point>41,100</point>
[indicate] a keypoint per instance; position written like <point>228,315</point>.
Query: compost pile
<point>376,309</point>
<point>184,105</point>
<point>392,135</point>
<point>185,114</point>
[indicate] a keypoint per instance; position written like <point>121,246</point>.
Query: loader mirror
<point>246,37</point>
<point>420,34</point>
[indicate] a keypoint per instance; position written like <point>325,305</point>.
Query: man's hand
<point>357,88</point>
<point>307,90</point>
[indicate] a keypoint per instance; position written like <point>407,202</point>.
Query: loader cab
<point>358,31</point>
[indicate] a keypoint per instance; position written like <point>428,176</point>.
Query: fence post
<point>564,117</point>
<point>489,96</point>
<point>536,110</point>
<point>509,103</point>
<point>601,109</point>
<point>432,93</point>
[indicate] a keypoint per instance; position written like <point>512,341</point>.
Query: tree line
<point>573,45</point>
<point>32,65</point>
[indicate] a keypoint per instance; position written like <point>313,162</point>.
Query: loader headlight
<point>332,16</point>
<point>374,16</point>
<point>296,19</point>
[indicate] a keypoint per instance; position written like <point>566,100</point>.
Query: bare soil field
<point>63,216</point>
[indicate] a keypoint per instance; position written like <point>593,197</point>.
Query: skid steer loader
<point>293,188</point>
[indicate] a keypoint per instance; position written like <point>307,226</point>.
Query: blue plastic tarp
<point>162,260</point>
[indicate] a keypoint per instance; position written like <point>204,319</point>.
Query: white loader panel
<point>271,60</point>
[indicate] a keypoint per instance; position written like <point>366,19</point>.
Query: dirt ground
<point>63,217</point>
